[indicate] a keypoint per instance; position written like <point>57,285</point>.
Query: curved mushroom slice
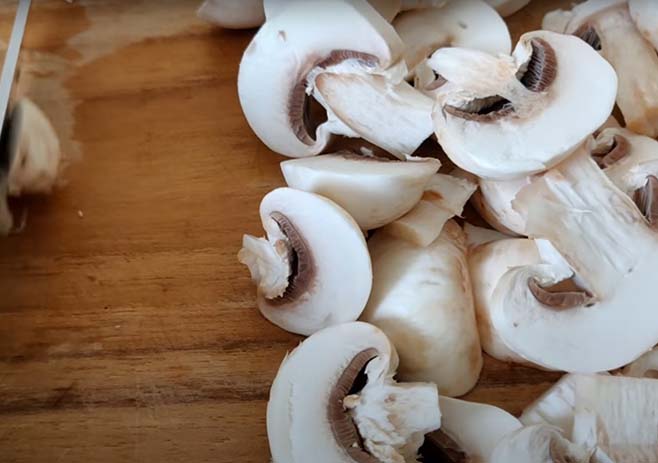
<point>644,367</point>
<point>313,270</point>
<point>605,239</point>
<point>374,191</point>
<point>443,199</point>
<point>623,408</point>
<point>402,118</point>
<point>334,401</point>
<point>493,201</point>
<point>233,14</point>
<point>515,104</point>
<point>507,7</point>
<point>607,26</point>
<point>645,15</point>
<point>422,300</point>
<point>463,23</point>
<point>295,45</point>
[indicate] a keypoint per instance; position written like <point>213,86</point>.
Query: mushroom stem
<point>392,418</point>
<point>269,264</point>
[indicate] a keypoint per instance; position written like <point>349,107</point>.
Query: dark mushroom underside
<point>305,114</point>
<point>588,34</point>
<point>536,75</point>
<point>302,265</point>
<point>564,295</point>
<point>646,199</point>
<point>608,156</point>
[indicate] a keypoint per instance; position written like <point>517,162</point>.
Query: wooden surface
<point>128,330</point>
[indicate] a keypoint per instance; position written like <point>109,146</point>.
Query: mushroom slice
<point>644,367</point>
<point>645,15</point>
<point>607,26</point>
<point>624,410</point>
<point>463,23</point>
<point>313,270</point>
<point>493,201</point>
<point>477,236</point>
<point>31,157</point>
<point>374,191</point>
<point>469,431</point>
<point>422,300</point>
<point>515,104</point>
<point>507,7</point>
<point>443,199</point>
<point>539,311</point>
<point>233,14</point>
<point>401,122</point>
<point>298,42</point>
<point>334,401</point>
<point>389,9</point>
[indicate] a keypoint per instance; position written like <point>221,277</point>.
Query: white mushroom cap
<point>321,406</point>
<point>515,103</point>
<point>645,15</point>
<point>463,23</point>
<point>607,26</point>
<point>507,7</point>
<point>374,191</point>
<point>313,270</point>
<point>303,36</point>
<point>443,199</point>
<point>233,14</point>
<point>612,252</point>
<point>624,410</point>
<point>644,367</point>
<point>422,300</point>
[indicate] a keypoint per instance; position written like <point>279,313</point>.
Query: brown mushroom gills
<point>439,447</point>
<point>607,156</point>
<point>646,199</point>
<point>588,34</point>
<point>536,75</point>
<point>305,114</point>
<point>564,295</point>
<point>302,266</point>
<point>345,432</point>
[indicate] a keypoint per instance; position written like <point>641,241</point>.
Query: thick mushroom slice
<point>607,26</point>
<point>519,104</point>
<point>444,198</point>
<point>313,270</point>
<point>567,315</point>
<point>644,367</point>
<point>296,45</point>
<point>334,401</point>
<point>624,412</point>
<point>374,191</point>
<point>493,201</point>
<point>30,157</point>
<point>422,300</point>
<point>507,7</point>
<point>233,14</point>
<point>463,23</point>
<point>645,15</point>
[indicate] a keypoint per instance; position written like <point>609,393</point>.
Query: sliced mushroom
<point>334,401</point>
<point>233,14</point>
<point>516,103</point>
<point>477,236</point>
<point>296,45</point>
<point>463,23</point>
<point>313,270</point>
<point>607,26</point>
<point>507,7</point>
<point>374,191</point>
<point>422,300</point>
<point>494,200</point>
<point>443,199</point>
<point>387,8</point>
<point>624,410</point>
<point>31,157</point>
<point>644,367</point>
<point>600,295</point>
<point>645,15</point>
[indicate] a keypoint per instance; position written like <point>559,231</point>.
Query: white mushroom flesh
<point>507,7</point>
<point>644,367</point>
<point>645,15</point>
<point>233,14</point>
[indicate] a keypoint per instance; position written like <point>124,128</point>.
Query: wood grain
<point>128,330</point>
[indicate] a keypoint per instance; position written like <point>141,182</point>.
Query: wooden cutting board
<point>128,330</point>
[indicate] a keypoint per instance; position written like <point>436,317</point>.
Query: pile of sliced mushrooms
<point>366,253</point>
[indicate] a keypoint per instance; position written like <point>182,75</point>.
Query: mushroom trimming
<point>515,102</point>
<point>334,400</point>
<point>313,270</point>
<point>607,26</point>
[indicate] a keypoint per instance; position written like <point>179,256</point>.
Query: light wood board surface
<point>128,330</point>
